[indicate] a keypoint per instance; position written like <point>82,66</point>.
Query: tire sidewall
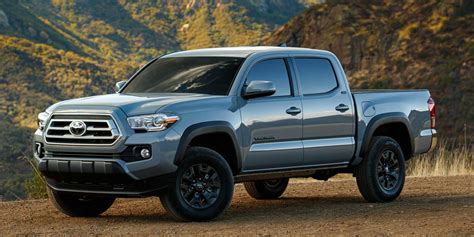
<point>271,191</point>
<point>379,147</point>
<point>280,185</point>
<point>216,161</point>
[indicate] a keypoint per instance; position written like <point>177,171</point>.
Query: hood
<point>131,104</point>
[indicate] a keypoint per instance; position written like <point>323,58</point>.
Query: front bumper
<point>107,177</point>
<point>105,169</point>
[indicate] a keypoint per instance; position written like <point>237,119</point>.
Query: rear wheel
<point>203,187</point>
<point>266,189</point>
<point>79,205</point>
<point>381,175</point>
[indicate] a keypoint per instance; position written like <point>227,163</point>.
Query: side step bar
<point>287,173</point>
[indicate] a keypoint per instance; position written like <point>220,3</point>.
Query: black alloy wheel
<point>200,186</point>
<point>388,170</point>
<point>381,174</point>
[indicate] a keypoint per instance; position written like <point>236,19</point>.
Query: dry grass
<point>448,159</point>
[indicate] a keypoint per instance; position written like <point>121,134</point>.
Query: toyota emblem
<point>77,128</point>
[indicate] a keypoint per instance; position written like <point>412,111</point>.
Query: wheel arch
<point>395,125</point>
<point>219,131</point>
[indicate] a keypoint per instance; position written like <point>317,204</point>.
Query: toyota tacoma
<point>189,125</point>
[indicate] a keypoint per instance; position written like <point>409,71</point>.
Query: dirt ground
<point>428,206</point>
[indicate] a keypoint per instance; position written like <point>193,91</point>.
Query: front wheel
<point>381,175</point>
<point>79,205</point>
<point>266,189</point>
<point>203,187</point>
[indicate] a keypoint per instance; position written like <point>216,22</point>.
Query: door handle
<point>342,108</point>
<point>293,110</point>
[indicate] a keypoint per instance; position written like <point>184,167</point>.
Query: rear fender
<point>378,121</point>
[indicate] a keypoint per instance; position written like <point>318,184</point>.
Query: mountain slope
<point>60,49</point>
<point>119,29</point>
<point>398,44</point>
<point>52,50</point>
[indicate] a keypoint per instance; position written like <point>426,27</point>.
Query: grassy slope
<point>60,49</point>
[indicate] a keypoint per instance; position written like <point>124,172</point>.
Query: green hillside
<point>52,50</point>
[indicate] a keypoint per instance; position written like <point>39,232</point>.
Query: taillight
<point>432,109</point>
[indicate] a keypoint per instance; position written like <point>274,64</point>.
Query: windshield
<point>202,75</point>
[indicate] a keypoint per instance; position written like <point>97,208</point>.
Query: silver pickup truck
<point>189,125</point>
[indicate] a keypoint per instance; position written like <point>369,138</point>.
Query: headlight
<point>42,118</point>
<point>152,122</point>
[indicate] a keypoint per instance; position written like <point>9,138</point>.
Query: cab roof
<point>241,52</point>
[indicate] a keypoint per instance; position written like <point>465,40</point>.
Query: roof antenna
<point>282,44</point>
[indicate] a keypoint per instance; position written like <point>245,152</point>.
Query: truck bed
<point>404,106</point>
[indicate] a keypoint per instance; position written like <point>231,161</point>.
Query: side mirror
<point>119,85</point>
<point>258,89</point>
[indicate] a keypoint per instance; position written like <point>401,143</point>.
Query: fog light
<point>145,153</point>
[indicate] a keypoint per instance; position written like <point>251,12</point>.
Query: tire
<point>266,189</point>
<point>79,206</point>
<point>381,175</point>
<point>208,196</point>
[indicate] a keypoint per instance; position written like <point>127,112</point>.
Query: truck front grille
<point>82,130</point>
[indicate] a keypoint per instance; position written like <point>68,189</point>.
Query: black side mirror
<point>258,89</point>
<point>119,85</point>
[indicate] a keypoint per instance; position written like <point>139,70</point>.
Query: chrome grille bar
<point>99,130</point>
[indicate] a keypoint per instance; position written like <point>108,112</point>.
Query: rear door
<point>272,125</point>
<point>328,113</point>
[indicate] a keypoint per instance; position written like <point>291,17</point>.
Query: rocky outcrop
<point>4,19</point>
<point>397,44</point>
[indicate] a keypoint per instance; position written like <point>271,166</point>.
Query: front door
<point>272,125</point>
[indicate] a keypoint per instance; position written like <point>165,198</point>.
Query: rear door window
<point>316,75</point>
